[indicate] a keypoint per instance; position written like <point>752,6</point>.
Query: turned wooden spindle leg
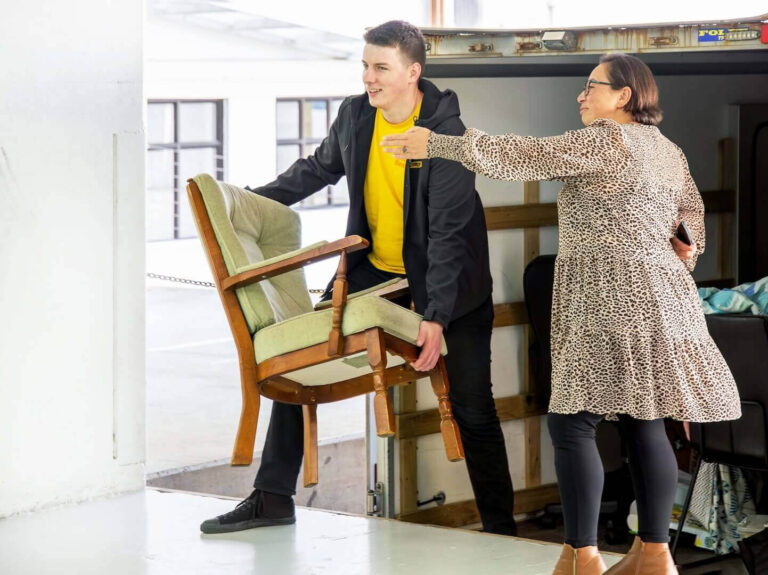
<point>338,301</point>
<point>448,426</point>
<point>310,445</point>
<point>382,403</point>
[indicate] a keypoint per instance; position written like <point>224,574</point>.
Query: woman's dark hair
<point>402,35</point>
<point>626,70</point>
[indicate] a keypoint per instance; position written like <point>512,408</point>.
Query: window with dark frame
<point>302,123</point>
<point>185,138</point>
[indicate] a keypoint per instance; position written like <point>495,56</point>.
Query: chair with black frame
<point>743,341</point>
<point>618,494</point>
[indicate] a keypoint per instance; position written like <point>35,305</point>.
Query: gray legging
<point>580,474</point>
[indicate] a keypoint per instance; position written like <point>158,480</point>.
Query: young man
<point>424,221</point>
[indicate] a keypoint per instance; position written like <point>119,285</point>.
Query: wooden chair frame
<point>267,378</point>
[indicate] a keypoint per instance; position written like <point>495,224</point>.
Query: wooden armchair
<point>289,352</point>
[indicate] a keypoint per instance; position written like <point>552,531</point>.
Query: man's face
<point>387,75</point>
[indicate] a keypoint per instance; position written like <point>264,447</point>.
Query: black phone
<point>684,234</point>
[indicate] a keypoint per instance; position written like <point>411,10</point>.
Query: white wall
<point>71,252</point>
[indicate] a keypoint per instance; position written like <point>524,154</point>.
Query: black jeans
<point>580,475</point>
<point>469,371</point>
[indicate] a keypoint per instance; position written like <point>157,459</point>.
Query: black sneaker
<point>259,509</point>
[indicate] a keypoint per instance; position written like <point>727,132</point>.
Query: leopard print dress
<point>628,332</point>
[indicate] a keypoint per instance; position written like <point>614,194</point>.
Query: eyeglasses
<point>588,86</point>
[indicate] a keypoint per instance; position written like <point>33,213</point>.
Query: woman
<point>629,339</point>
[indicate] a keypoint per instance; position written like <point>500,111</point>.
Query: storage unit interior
<point>715,104</point>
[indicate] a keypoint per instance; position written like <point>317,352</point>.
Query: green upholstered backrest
<point>250,228</point>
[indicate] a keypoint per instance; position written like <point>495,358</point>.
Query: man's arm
<point>308,175</point>
<point>452,199</point>
<point>451,207</point>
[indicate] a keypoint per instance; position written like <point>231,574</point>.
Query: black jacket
<point>445,243</point>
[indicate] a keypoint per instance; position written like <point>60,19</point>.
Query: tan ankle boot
<point>581,561</point>
<point>655,559</point>
<point>628,563</point>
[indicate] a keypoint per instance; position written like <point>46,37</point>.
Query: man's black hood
<point>437,106</point>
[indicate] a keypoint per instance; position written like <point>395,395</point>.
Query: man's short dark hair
<point>402,35</point>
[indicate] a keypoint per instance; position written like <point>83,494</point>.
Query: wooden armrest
<point>259,273</point>
<point>388,290</point>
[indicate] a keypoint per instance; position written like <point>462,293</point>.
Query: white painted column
<point>71,252</point>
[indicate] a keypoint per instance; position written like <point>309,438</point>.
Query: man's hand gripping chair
<point>289,352</point>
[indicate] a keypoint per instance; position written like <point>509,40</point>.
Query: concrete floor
<point>343,486</point>
<point>687,552</point>
<point>154,533</point>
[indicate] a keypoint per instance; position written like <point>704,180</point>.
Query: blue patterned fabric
<point>746,298</point>
<point>721,500</point>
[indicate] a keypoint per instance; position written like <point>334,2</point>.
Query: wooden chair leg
<point>382,403</point>
<point>310,445</point>
<point>438,377</point>
<point>249,419</point>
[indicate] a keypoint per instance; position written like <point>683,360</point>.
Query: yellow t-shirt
<point>383,192</point>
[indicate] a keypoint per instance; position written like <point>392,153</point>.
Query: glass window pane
<point>309,149</point>
<point>187,228</point>
<point>160,169</point>
<point>197,122</point>
<point>159,123</point>
<point>159,214</point>
<point>288,120</point>
<point>315,118</point>
<point>335,104</point>
<point>192,162</point>
<point>286,155</point>
<point>319,198</point>
<point>159,195</point>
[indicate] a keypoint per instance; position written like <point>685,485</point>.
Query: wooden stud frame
<point>532,424</point>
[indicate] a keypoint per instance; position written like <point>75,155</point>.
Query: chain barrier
<point>203,283</point>
<point>181,280</point>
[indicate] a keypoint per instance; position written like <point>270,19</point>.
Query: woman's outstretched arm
<point>599,147</point>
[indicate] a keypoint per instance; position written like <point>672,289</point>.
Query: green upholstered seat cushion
<point>250,229</point>
<point>312,328</point>
<point>325,304</point>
